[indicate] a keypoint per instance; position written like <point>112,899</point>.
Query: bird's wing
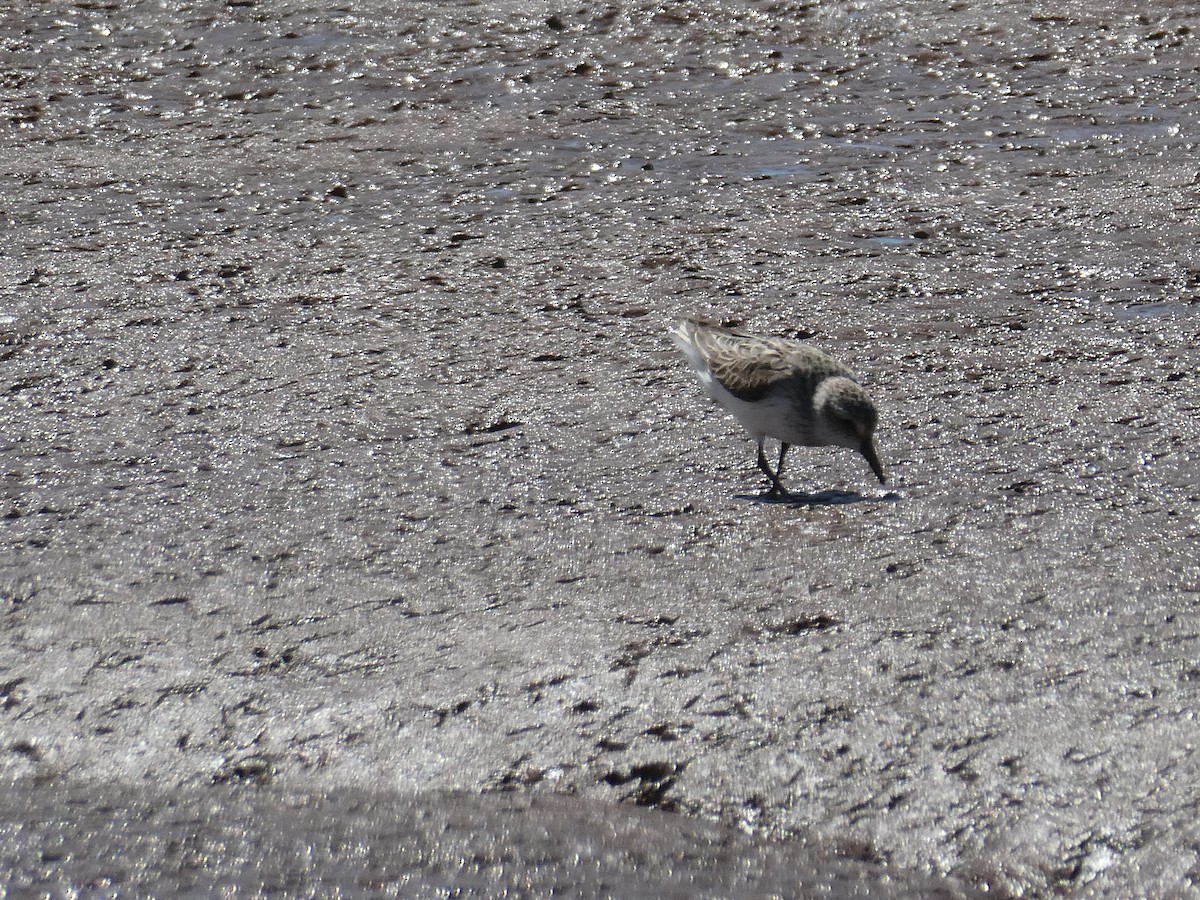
<point>749,376</point>
<point>749,367</point>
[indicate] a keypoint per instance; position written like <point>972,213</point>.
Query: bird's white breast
<point>775,415</point>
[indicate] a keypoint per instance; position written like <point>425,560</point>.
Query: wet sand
<point>346,461</point>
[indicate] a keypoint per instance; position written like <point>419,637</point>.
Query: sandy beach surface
<point>362,532</point>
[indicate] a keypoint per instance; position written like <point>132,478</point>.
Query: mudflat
<point>362,530</point>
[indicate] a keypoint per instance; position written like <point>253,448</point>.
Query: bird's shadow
<point>821,498</point>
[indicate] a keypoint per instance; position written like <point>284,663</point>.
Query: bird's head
<point>846,416</point>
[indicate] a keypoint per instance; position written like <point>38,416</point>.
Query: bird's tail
<point>684,335</point>
<point>687,335</point>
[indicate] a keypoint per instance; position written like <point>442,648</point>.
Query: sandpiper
<point>781,389</point>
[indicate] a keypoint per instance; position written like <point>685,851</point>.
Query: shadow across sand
<point>821,498</point>
<point>345,842</point>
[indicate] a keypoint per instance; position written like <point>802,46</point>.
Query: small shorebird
<point>781,389</point>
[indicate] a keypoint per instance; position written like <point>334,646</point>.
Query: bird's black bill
<point>868,450</point>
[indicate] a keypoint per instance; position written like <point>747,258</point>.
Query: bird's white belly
<point>773,416</point>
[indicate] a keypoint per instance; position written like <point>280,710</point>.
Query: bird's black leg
<point>776,487</point>
<point>783,449</point>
